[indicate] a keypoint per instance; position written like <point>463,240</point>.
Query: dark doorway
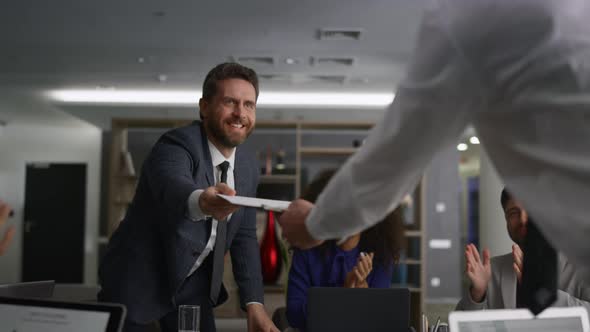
<point>55,214</point>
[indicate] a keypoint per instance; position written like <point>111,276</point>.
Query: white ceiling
<point>59,44</point>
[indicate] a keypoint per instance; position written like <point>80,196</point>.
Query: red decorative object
<point>270,255</point>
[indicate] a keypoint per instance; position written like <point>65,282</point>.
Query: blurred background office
<point>86,88</point>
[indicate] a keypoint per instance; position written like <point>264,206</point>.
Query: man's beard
<point>219,135</point>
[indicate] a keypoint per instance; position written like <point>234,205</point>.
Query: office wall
<point>23,143</point>
<point>443,228</point>
<point>492,225</point>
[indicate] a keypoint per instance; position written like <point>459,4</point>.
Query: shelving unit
<point>298,129</point>
<point>413,233</point>
<point>306,150</point>
<point>121,184</point>
<point>280,178</point>
<point>414,262</point>
<point>327,151</point>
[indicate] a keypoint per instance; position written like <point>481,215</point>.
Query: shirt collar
<point>217,157</point>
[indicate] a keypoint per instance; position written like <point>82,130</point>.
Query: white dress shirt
<point>193,201</point>
<point>519,71</point>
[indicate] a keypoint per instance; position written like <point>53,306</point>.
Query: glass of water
<point>189,318</point>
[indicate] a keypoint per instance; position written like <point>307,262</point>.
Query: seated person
<point>363,260</point>
<point>9,233</point>
<point>495,282</point>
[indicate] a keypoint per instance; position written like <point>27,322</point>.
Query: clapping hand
<point>479,271</point>
<point>357,277</point>
<point>517,257</point>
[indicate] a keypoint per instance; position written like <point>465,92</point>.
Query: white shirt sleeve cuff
<point>194,211</point>
<point>247,304</point>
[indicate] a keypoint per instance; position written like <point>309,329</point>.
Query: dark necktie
<point>539,275</point>
<point>219,250</point>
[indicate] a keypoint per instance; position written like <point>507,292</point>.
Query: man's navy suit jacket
<point>151,252</point>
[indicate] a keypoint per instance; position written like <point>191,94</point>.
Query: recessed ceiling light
<point>141,59</point>
<point>291,61</point>
<point>162,78</point>
<point>474,140</point>
<point>462,147</point>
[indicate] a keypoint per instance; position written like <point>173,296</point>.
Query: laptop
<point>358,309</point>
<point>571,319</point>
<point>34,289</point>
<point>34,315</point>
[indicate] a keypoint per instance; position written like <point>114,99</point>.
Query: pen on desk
<point>435,329</point>
<point>424,323</point>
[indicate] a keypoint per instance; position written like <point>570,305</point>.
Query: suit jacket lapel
<point>508,285</point>
<point>207,157</point>
<point>240,175</point>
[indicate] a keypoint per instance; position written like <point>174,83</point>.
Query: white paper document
<point>266,204</point>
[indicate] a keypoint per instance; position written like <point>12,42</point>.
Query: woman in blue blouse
<point>364,260</point>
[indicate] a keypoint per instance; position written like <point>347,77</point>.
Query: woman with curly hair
<point>364,260</point>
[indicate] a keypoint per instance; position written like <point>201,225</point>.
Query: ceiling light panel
<point>333,79</point>
<point>191,98</point>
<point>255,60</point>
<point>334,61</point>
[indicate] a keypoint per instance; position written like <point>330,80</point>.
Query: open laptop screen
<point>520,320</point>
<point>30,315</point>
<point>358,309</point>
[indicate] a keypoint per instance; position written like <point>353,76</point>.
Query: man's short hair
<point>226,71</point>
<point>504,198</point>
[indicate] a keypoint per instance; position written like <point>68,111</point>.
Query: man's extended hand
<point>478,271</point>
<point>215,206</point>
<point>517,257</point>
<point>258,320</point>
<point>9,234</point>
<point>292,223</point>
